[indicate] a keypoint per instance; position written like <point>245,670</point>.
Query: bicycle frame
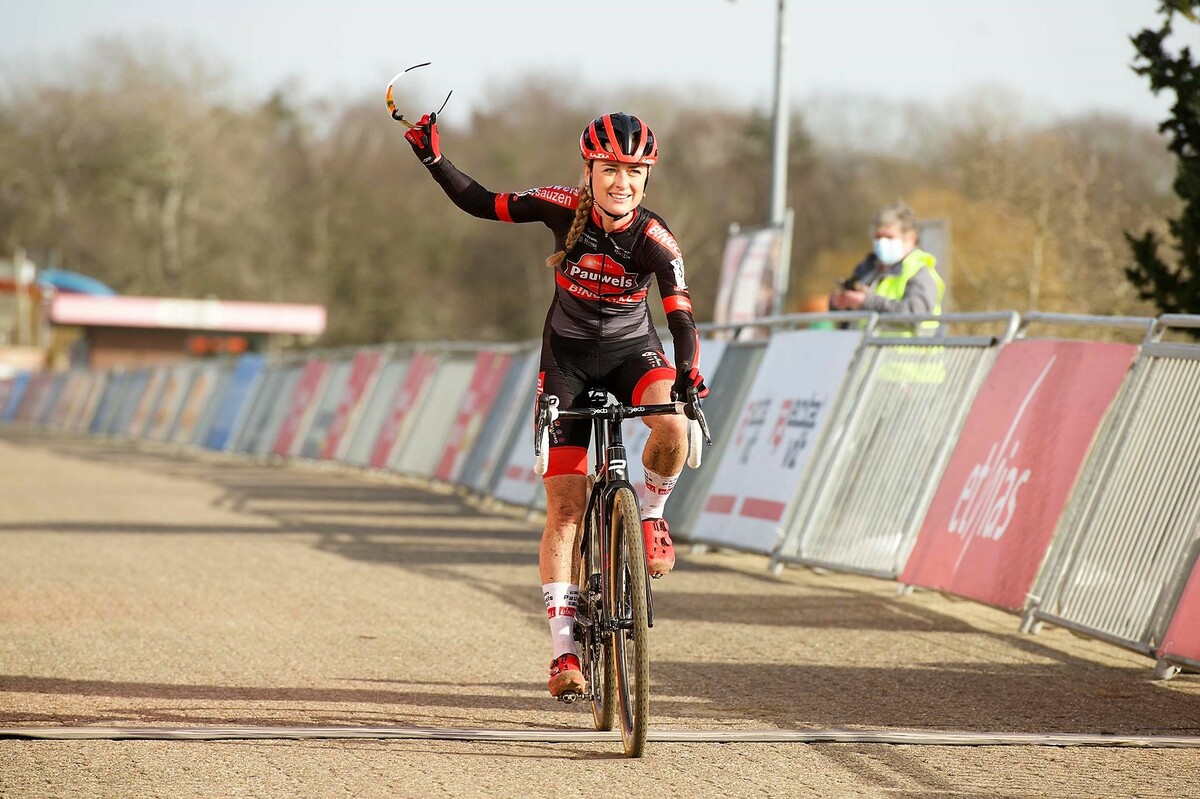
<point>614,614</point>
<point>611,465</point>
<point>611,475</point>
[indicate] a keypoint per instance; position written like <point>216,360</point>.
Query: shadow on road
<point>440,532</point>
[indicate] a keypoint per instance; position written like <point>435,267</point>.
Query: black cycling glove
<point>688,377</point>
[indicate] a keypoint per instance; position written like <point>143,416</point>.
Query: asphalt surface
<point>150,588</point>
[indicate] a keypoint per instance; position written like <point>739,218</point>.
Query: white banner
<point>759,475</point>
<point>749,274</point>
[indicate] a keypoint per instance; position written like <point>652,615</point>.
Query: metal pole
<point>779,135</point>
<point>22,300</point>
<point>780,216</point>
<point>785,259</point>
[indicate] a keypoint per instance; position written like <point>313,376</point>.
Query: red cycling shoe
<point>660,552</point>
<point>566,676</point>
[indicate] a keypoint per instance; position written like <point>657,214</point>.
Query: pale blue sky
<point>1063,56</point>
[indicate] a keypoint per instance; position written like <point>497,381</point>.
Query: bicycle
<point>616,608</point>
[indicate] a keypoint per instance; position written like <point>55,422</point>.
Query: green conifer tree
<point>1174,285</point>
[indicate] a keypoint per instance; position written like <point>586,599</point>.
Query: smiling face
<point>617,188</point>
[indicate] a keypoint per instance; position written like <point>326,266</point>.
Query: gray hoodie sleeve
<point>920,294</point>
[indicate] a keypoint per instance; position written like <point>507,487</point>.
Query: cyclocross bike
<point>616,608</point>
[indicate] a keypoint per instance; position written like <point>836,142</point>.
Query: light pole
<point>779,126</point>
<point>781,215</point>
<point>779,119</point>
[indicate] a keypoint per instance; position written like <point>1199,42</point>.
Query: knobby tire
<point>594,656</point>
<point>626,595</point>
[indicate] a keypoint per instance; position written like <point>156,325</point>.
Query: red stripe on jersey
<point>676,302</point>
<point>502,208</point>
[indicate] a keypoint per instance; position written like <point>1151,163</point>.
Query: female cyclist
<point>598,332</point>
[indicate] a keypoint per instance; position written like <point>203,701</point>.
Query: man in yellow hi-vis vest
<point>896,277</point>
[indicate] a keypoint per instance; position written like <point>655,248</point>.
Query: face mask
<point>889,251</point>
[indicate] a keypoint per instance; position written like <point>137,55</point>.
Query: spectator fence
<point>861,445</point>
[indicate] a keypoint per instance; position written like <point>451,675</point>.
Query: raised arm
<point>535,205</point>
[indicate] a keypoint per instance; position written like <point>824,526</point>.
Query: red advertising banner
<point>87,409</point>
<point>420,370</point>
<point>141,414</point>
<point>80,401</point>
<point>1183,633</point>
<point>163,413</point>
<point>363,372</point>
<point>303,399</point>
<point>490,368</point>
<point>1023,444</point>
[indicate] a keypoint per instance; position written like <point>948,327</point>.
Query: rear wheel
<point>597,667</point>
<point>628,607</point>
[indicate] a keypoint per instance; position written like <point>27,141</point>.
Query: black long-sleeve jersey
<point>602,284</point>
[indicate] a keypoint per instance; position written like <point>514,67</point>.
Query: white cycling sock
<point>561,601</point>
<point>658,488</point>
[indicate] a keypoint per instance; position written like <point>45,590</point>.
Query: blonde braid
<point>582,211</point>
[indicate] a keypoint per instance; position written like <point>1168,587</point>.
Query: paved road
<point>145,588</point>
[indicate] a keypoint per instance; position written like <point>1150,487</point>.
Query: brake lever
<point>547,414</point>
<point>692,411</point>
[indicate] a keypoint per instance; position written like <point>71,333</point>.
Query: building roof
<point>182,314</point>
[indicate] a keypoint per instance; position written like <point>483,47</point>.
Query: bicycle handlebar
<point>549,412</point>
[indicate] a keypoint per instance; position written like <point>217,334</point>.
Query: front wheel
<point>628,608</point>
<point>597,667</point>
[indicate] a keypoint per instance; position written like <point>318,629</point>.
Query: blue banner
<point>20,383</point>
<point>106,407</point>
<point>235,401</point>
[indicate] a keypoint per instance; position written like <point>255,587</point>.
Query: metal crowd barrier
<point>878,465</point>
<point>507,417</point>
<point>1126,542</point>
<point>418,453</point>
<point>360,439</point>
<point>1115,569</point>
<point>729,382</point>
<point>732,384</point>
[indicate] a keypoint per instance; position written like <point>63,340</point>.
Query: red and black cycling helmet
<point>619,137</point>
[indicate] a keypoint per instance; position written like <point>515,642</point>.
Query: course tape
<point>910,737</point>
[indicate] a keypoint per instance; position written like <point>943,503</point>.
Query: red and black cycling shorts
<point>570,368</point>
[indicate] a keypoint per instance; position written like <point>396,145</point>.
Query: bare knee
<point>672,426</point>
<point>565,498</point>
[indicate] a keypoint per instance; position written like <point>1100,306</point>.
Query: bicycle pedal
<point>571,697</point>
